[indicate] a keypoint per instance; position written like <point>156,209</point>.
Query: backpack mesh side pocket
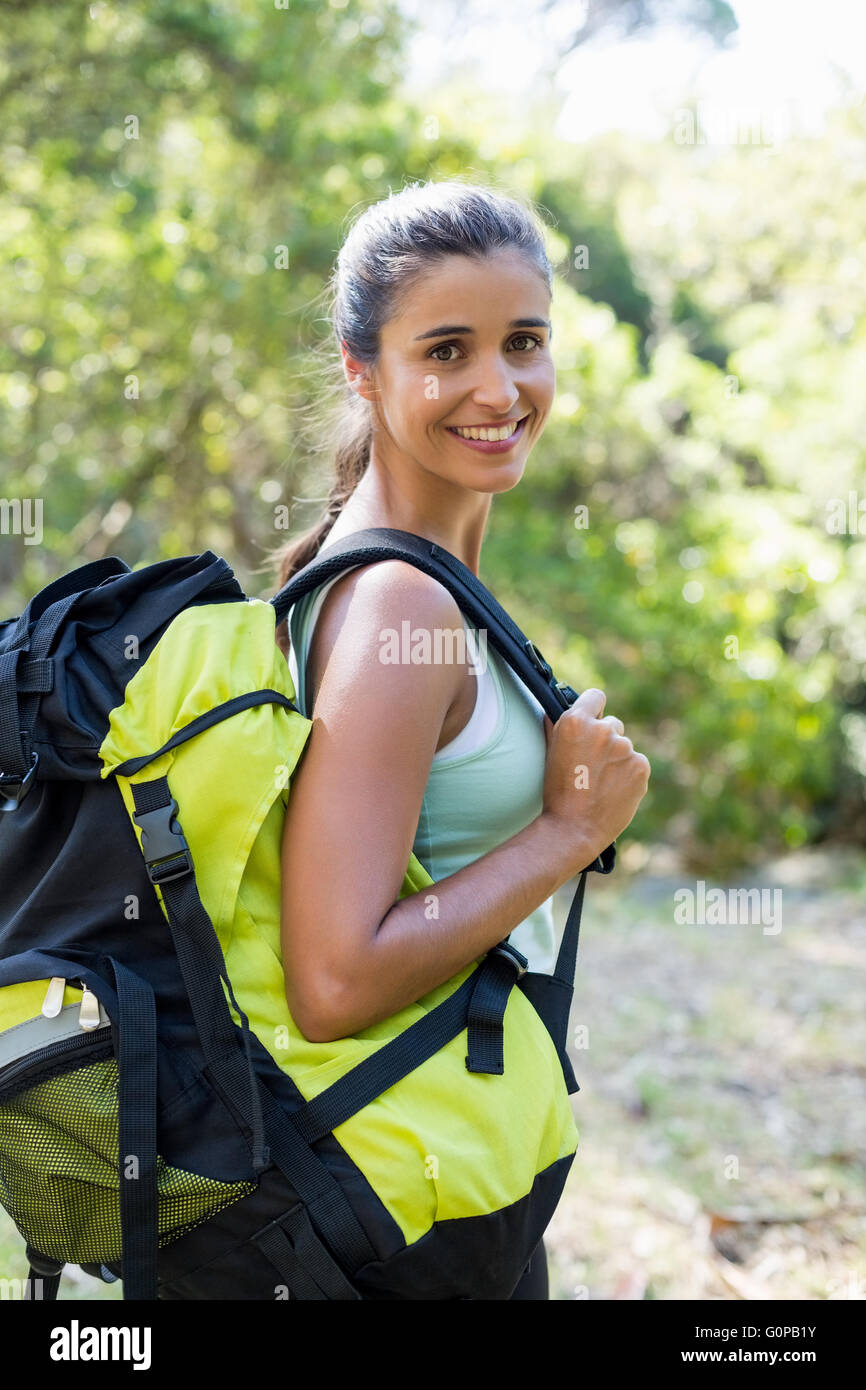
<point>59,1178</point>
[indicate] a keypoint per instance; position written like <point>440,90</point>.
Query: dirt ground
<point>721,1112</point>
<point>723,1079</point>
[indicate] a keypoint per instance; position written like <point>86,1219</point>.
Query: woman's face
<point>468,346</point>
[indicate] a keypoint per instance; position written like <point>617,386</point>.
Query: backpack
<point>162,1119</point>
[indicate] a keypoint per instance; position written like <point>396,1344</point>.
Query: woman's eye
<point>519,338</point>
<point>443,347</point>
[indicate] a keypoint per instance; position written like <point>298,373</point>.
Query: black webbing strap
<point>35,675</point>
<point>566,960</point>
<point>505,965</point>
<point>389,1064</point>
<point>484,1020</point>
<point>474,599</point>
<point>203,966</point>
<point>43,1276</point>
<point>316,1186</point>
<point>198,950</point>
<point>14,753</point>
<point>135,1046</point>
<point>304,1265</point>
<point>46,1285</point>
<point>134,1038</point>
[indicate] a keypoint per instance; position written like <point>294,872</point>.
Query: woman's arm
<point>352,953</point>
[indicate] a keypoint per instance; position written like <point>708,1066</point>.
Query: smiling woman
<point>479,379</point>
<point>442,316</point>
<point>442,301</point>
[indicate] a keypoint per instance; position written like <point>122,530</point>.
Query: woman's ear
<point>357,374</point>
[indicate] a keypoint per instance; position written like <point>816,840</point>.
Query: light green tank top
<point>484,786</point>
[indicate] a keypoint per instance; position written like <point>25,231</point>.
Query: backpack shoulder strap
<point>476,601</point>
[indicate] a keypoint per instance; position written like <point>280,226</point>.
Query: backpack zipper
<point>54,997</point>
<point>88,1013</point>
<point>84,1043</point>
<point>95,1035</point>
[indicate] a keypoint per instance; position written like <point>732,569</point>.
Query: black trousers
<point>534,1280</point>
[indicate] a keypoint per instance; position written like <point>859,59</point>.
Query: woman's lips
<point>490,446</point>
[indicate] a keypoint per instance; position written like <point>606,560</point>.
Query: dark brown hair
<point>389,247</point>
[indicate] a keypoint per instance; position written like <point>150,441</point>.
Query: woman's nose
<point>495,387</point>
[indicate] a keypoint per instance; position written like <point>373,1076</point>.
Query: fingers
<point>591,700</point>
<point>644,764</point>
<point>591,703</point>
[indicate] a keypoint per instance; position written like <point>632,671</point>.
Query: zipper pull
<point>54,997</point>
<point>88,1014</point>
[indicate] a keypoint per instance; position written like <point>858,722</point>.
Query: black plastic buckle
<point>166,852</point>
<point>18,787</point>
<point>513,956</point>
<point>538,660</point>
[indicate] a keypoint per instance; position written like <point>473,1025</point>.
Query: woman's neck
<point>367,507</point>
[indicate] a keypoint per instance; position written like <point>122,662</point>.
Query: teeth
<point>504,432</point>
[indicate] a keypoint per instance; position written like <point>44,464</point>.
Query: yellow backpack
<point>148,735</point>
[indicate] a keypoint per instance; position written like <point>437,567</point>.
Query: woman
<point>442,313</point>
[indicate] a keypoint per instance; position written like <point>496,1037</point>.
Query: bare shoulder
<point>370,601</point>
<point>388,586</point>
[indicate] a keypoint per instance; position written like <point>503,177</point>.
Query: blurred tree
<point>174,184</point>
<point>174,178</point>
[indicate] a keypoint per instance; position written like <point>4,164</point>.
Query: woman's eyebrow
<point>461,328</point>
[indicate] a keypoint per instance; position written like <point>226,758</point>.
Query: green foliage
<point>600,266</point>
<point>704,589</point>
<point>175,182</point>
